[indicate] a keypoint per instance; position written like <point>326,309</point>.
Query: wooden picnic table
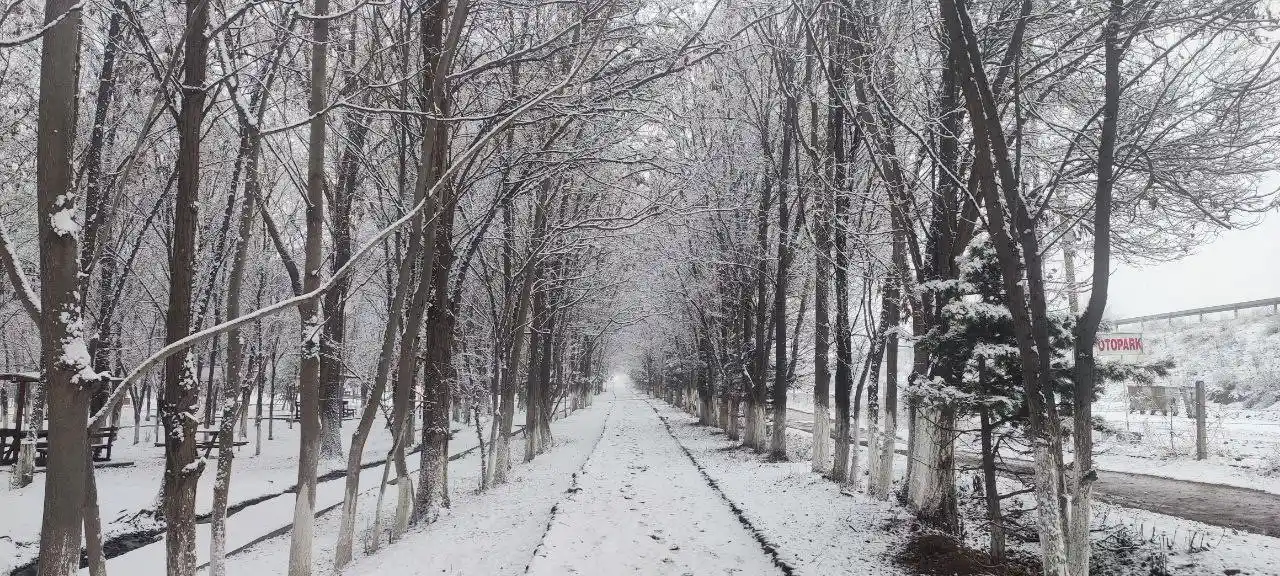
<point>10,443</point>
<point>100,442</point>
<point>207,440</point>
<point>348,412</point>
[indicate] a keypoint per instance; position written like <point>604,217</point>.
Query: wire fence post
<point>1202,437</point>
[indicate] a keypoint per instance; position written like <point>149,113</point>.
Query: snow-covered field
<point>1244,441</point>
<point>1244,446</point>
<point>1177,545</point>
<point>816,528</point>
<point>494,532</point>
<point>1238,359</point>
<point>125,492</point>
<point>629,485</point>
<point>616,494</point>
<point>1189,548</point>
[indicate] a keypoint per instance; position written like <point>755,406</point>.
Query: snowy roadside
<point>274,512</point>
<point>489,533</point>
<point>814,527</point>
<point>1215,470</point>
<point>127,491</point>
<point>1228,463</point>
<point>1191,548</point>
<point>1148,540</point>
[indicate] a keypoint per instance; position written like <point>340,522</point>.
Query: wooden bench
<point>207,440</point>
<point>347,414</point>
<point>100,443</point>
<point>10,443</point>
<point>210,441</point>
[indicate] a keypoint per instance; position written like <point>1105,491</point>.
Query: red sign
<point>1119,345</point>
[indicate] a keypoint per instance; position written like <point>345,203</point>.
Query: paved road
<point>623,517</point>
<point>1227,506</point>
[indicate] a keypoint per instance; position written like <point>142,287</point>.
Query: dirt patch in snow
<point>940,555</point>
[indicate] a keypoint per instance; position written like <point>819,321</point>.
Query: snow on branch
<point>30,301</point>
<point>336,15</point>
<point>190,340</point>
<point>34,35</point>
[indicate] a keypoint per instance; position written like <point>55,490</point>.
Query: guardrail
<point>1274,303</point>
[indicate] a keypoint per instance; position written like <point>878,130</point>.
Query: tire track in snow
<point>573,483</point>
<point>768,547</point>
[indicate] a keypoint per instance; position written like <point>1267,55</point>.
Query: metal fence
<point>1274,303</point>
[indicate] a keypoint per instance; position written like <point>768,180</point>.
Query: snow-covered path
<point>641,507</point>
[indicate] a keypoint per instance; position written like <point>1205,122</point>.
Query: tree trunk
<point>889,327</point>
<point>546,392</point>
<point>407,365</point>
<point>755,417</point>
<point>1086,330</point>
<point>309,311</point>
<point>931,490</point>
<point>391,332</point>
<point>823,244</point>
<point>821,354</point>
<point>93,524</point>
<point>25,468</point>
<point>351,492</point>
<point>331,344</point>
<point>532,390</point>
<point>778,440</point>
<point>182,470</point>
<point>261,383</point>
<point>271,394</point>
<point>235,383</point>
<point>434,459</point>
<point>60,332</point>
<point>500,454</point>
<point>844,348</point>
<point>137,421</point>
<point>991,491</point>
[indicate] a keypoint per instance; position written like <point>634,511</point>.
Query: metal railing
<point>1274,303</point>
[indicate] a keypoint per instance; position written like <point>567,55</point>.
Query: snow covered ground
<point>1190,548</point>
<point>126,491</point>
<point>641,507</point>
<point>618,493</point>
<point>1244,444</point>
<point>815,527</point>
<point>1144,539</point>
<point>1238,359</point>
<point>494,532</point>
<point>630,485</point>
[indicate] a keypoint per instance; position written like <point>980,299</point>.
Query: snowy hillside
<point>1238,358</point>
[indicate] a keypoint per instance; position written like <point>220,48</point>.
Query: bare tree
<point>64,358</point>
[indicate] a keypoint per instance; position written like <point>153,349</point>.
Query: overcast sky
<point>1239,265</point>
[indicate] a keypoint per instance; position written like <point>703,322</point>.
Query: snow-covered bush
<point>1270,465</point>
<point>1238,358</point>
<point>1123,551</point>
<point>973,349</point>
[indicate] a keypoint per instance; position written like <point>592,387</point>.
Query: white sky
<point>1238,265</point>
